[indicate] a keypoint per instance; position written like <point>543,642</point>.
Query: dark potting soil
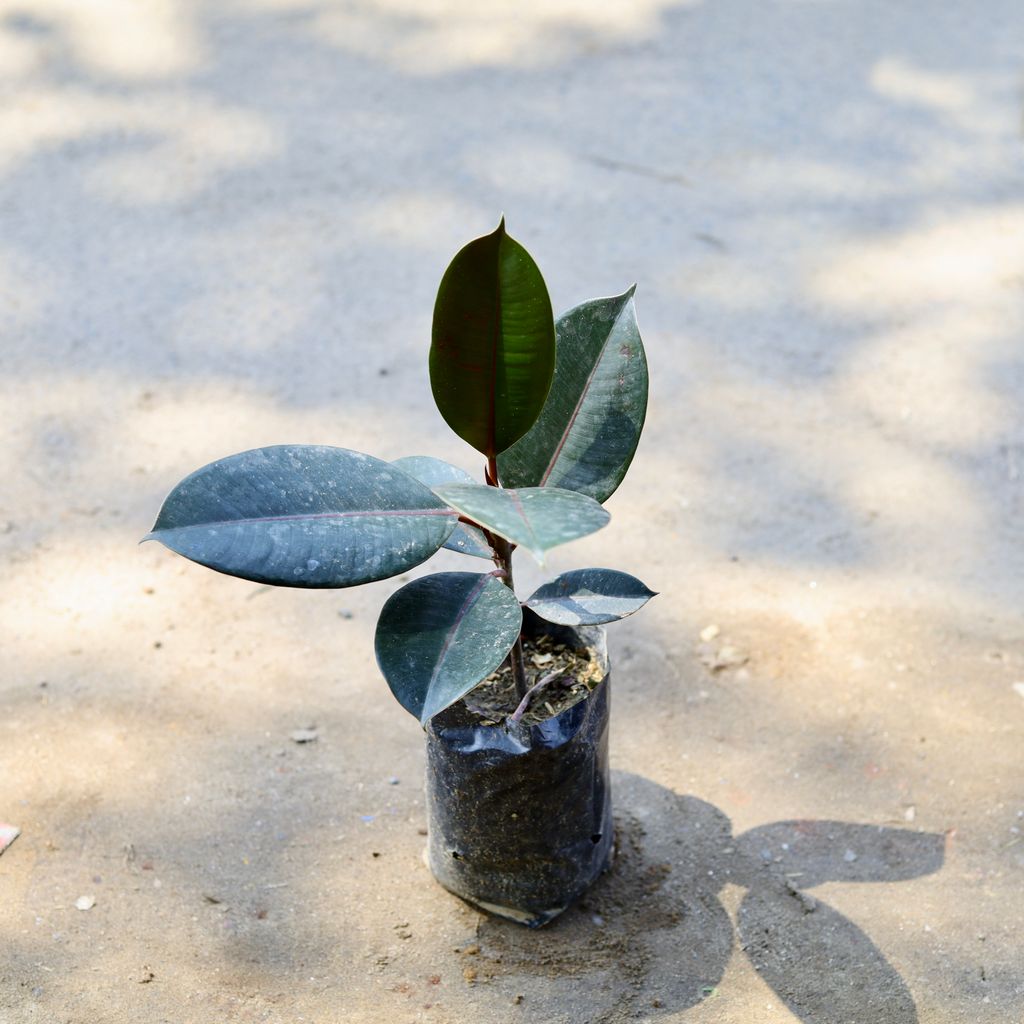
<point>569,676</point>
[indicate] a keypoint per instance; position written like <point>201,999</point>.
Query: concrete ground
<point>222,227</point>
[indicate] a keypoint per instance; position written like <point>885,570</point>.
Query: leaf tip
<point>628,293</point>
<point>501,226</point>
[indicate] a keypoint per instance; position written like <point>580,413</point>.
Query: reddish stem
<point>527,700</point>
<point>503,560</point>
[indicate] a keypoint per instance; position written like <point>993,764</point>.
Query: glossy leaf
<point>467,540</point>
<point>304,516</point>
<point>537,518</point>
<point>587,433</point>
<point>430,471</point>
<point>440,635</point>
<point>493,344</point>
<point>589,597</point>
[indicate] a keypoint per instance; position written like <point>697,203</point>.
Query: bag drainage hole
<point>596,838</point>
<point>456,855</point>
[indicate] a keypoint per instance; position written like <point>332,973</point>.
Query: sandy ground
<point>223,225</point>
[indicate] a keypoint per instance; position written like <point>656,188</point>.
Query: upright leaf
<point>493,348</point>
<point>304,516</point>
<point>467,540</point>
<point>537,518</point>
<point>440,635</point>
<point>587,433</point>
<point>589,597</point>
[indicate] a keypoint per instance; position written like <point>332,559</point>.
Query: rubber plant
<point>556,411</point>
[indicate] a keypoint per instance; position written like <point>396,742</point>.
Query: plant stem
<point>524,704</point>
<point>503,560</point>
<point>516,660</point>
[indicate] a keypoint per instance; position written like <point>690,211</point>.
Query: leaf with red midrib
<point>304,516</point>
<point>493,343</point>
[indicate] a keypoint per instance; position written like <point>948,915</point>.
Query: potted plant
<point>513,695</point>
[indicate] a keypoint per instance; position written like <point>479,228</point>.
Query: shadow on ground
<point>653,937</point>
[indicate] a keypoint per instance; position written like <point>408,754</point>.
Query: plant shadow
<point>653,937</point>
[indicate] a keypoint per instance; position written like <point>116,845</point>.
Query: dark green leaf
<point>304,516</point>
<point>493,347</point>
<point>440,635</point>
<point>589,597</point>
<point>538,518</point>
<point>431,471</point>
<point>587,433</point>
<point>467,540</point>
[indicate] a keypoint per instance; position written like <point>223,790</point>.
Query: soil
<point>557,677</point>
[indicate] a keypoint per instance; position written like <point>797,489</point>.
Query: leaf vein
<point>583,395</point>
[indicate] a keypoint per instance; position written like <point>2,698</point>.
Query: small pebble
<point>708,633</point>
<point>726,656</point>
<point>729,655</point>
<point>849,856</point>
<point>807,902</point>
<point>308,735</point>
<point>85,902</point>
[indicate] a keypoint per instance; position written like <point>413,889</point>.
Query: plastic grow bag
<point>519,819</point>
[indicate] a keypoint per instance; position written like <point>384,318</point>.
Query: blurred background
<point>222,226</point>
